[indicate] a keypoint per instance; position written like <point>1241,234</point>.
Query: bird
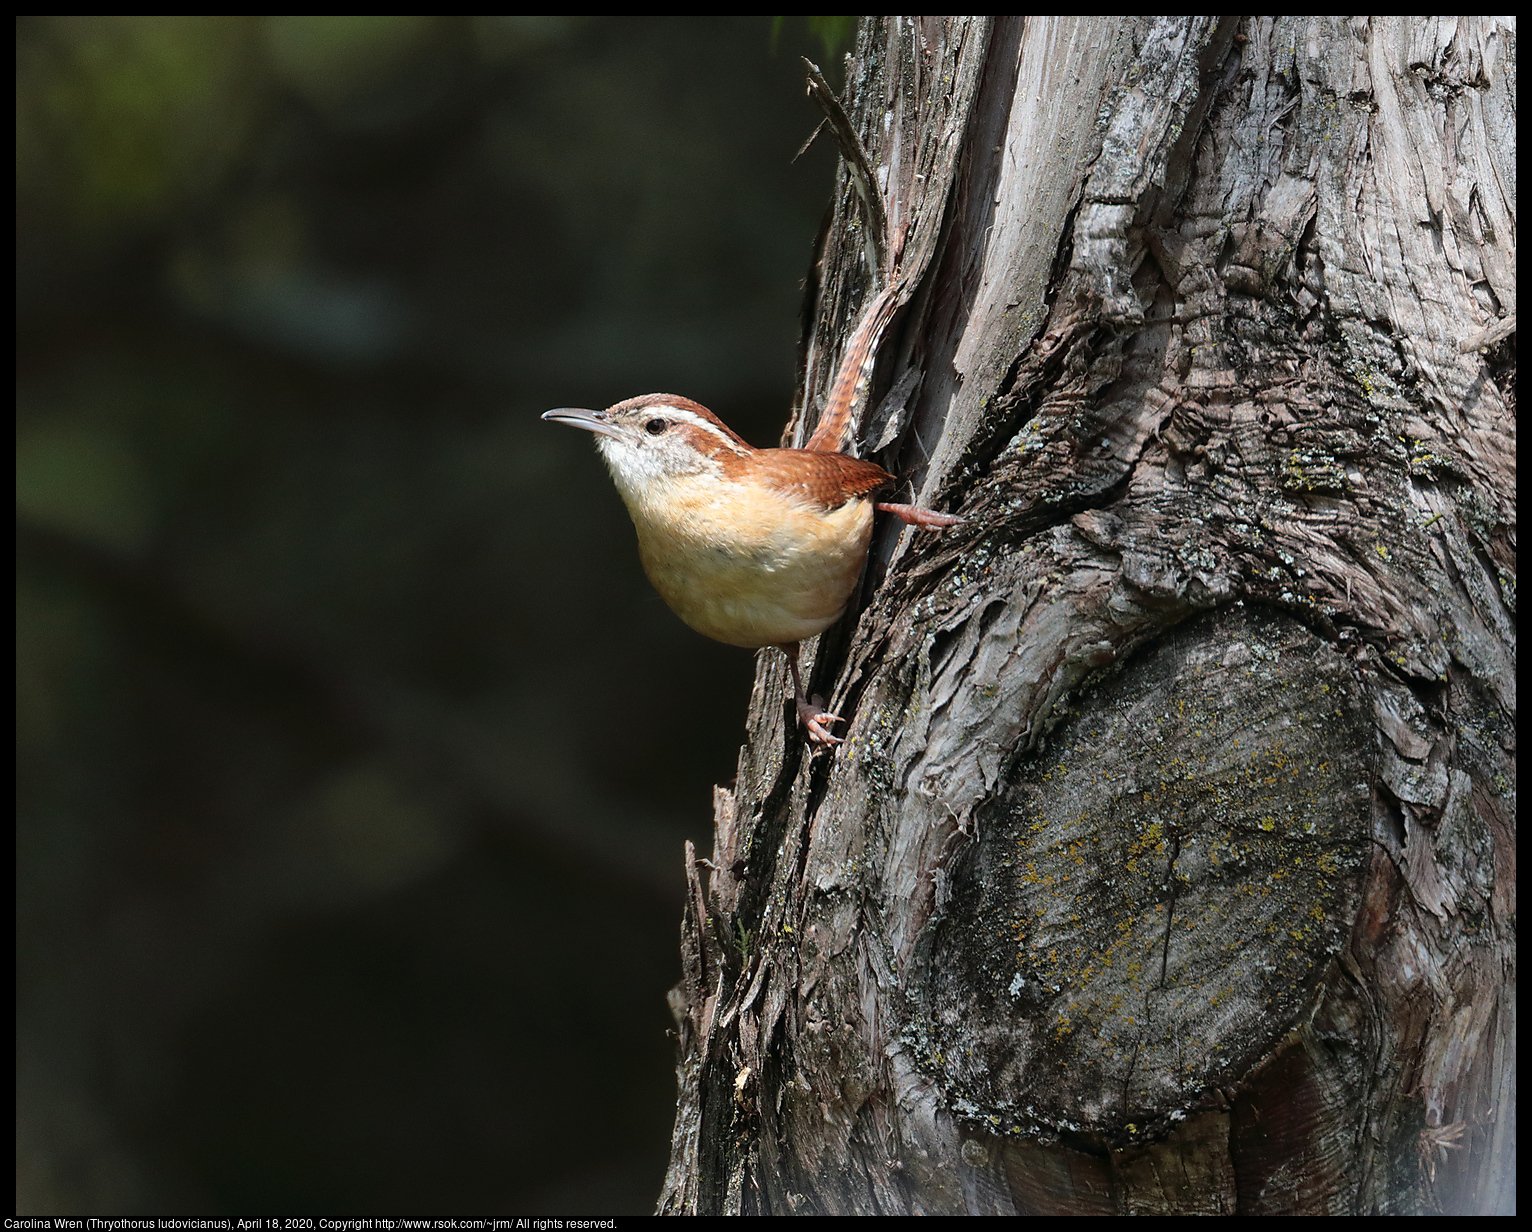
<point>752,547</point>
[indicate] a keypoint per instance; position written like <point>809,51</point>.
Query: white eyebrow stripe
<point>697,420</point>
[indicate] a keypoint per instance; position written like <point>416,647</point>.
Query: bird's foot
<point>812,714</point>
<point>914,515</point>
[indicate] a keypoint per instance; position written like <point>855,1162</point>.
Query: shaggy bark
<point>1169,863</point>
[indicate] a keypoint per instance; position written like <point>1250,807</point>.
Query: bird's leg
<point>914,515</point>
<point>810,713</point>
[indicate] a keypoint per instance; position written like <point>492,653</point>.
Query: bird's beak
<point>591,421</point>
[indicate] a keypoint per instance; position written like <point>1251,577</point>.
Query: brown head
<point>651,442</point>
<point>643,421</point>
<point>656,438</point>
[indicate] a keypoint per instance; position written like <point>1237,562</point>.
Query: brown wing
<point>829,480</point>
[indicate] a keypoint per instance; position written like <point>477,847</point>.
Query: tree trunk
<point>1169,862</point>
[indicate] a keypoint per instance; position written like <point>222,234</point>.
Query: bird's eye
<point>655,426</point>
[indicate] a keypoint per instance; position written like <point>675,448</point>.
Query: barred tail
<point>855,372</point>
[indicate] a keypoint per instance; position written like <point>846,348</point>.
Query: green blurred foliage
<point>330,60</point>
<point>121,121</point>
<point>354,752</point>
<point>832,32</point>
<point>83,477</point>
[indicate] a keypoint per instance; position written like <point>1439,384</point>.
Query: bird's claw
<point>811,714</point>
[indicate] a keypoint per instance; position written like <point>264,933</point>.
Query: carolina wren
<point>753,547</point>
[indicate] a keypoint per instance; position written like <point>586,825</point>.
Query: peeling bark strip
<point>1169,865</point>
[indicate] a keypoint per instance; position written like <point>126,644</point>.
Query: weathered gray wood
<point>1169,863</point>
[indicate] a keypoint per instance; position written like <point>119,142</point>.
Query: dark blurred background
<point>355,753</point>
